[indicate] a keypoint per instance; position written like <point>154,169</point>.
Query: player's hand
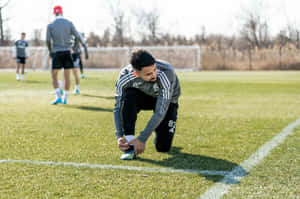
<point>122,144</point>
<point>139,146</point>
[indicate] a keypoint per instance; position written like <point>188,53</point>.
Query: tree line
<point>253,33</point>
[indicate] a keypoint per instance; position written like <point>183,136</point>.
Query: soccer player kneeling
<point>146,84</point>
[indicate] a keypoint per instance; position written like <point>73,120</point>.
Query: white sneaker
<point>76,92</point>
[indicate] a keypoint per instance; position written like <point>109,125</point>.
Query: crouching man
<point>146,84</point>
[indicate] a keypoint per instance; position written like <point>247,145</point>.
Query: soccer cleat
<point>128,155</point>
<point>57,101</point>
<point>76,92</point>
<point>82,76</point>
<point>64,101</point>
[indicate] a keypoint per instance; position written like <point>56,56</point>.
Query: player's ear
<point>135,73</point>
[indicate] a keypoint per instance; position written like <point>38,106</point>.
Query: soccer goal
<point>37,58</point>
<point>181,57</point>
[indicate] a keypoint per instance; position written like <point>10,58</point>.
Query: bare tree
<point>119,22</point>
<point>293,35</point>
<point>281,41</point>
<point>255,28</point>
<point>106,37</point>
<point>3,4</point>
<point>37,37</point>
<point>93,40</point>
<point>167,39</point>
<point>149,21</point>
<point>250,30</point>
<point>203,34</point>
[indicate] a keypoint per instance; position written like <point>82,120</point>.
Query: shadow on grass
<point>186,161</point>
<point>97,96</point>
<point>33,82</point>
<point>89,108</point>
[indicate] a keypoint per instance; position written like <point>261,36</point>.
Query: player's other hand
<point>139,146</point>
<point>86,52</point>
<point>122,144</point>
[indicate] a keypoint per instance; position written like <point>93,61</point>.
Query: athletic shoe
<point>76,92</point>
<point>64,101</point>
<point>57,101</point>
<point>128,155</point>
<point>82,76</point>
<point>61,92</point>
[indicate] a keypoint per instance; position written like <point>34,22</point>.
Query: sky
<point>185,17</point>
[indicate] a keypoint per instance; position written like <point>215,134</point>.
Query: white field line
<point>117,167</point>
<point>222,187</point>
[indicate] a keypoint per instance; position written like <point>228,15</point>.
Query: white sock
<point>129,138</point>
<point>77,87</point>
<point>22,77</point>
<point>60,84</point>
<point>66,94</point>
<point>17,76</point>
<point>57,91</point>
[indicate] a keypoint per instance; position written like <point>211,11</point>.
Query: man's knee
<point>163,143</point>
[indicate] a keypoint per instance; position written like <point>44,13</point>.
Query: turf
<point>224,117</point>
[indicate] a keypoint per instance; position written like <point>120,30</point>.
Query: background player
<point>76,52</point>
<point>58,39</point>
<point>20,53</point>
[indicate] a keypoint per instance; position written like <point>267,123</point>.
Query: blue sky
<point>176,16</point>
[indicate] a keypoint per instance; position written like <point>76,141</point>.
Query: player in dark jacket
<point>76,56</point>
<point>146,84</point>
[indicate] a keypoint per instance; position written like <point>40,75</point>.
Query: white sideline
<point>222,187</point>
<point>117,167</point>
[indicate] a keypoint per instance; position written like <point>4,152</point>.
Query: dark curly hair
<point>141,58</point>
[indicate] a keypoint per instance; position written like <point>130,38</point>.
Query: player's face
<point>148,73</point>
<point>23,36</point>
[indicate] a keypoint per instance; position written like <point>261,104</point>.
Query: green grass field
<point>224,117</point>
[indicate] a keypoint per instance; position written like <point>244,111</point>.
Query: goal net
<point>181,57</point>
